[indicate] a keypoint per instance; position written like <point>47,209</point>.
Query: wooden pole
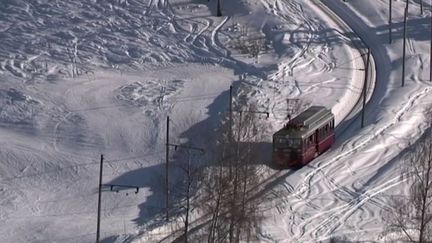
<point>390,21</point>
<point>365,87</point>
<point>230,128</point>
<point>99,200</point>
<point>404,45</point>
<point>430,50</point>
<point>167,171</point>
<point>189,184</point>
<point>230,111</point>
<point>218,11</point>
<point>421,7</point>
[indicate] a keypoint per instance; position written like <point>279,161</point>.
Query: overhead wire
<point>54,170</point>
<point>173,99</point>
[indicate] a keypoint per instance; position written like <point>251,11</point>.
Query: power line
<point>73,213</point>
<point>173,99</point>
<point>110,162</point>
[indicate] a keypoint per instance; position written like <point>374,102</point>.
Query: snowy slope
<point>344,193</point>
<point>84,78</point>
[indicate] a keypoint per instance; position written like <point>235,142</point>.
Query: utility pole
<point>230,127</point>
<point>218,10</point>
<point>230,110</point>
<point>176,146</point>
<point>188,188</point>
<point>99,200</point>
<point>404,44</point>
<point>430,50</point>
<point>166,171</point>
<point>421,7</point>
<point>390,21</point>
<point>365,87</point>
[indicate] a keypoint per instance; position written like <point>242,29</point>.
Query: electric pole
<point>176,146</point>
<point>230,126</point>
<point>404,45</point>
<point>390,21</point>
<point>230,110</point>
<point>218,10</point>
<point>99,200</point>
<point>365,87</point>
<point>166,171</point>
<point>421,7</point>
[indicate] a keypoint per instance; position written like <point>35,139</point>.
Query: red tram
<point>304,137</point>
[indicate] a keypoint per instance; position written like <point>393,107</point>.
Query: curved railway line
<point>277,177</point>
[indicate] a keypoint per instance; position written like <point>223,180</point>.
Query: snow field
<point>81,78</point>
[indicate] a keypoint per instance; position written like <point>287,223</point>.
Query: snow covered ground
<point>344,192</point>
<point>84,78</point>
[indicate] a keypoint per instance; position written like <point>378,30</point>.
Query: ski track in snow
<point>85,40</point>
<point>309,222</point>
<point>124,35</point>
<point>280,88</point>
<point>321,181</point>
<point>157,35</point>
<point>282,9</point>
<point>306,53</point>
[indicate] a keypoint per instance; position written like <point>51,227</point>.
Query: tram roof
<point>306,122</point>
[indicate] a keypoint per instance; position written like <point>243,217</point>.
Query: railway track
<point>362,48</point>
<point>349,120</point>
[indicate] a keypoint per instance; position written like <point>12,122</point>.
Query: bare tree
<point>248,136</point>
<point>225,202</point>
<point>228,196</point>
<point>185,189</point>
<point>411,215</point>
<point>252,44</point>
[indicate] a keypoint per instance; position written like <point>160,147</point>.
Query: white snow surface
<point>83,78</point>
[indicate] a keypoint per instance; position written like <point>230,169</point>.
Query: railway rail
<point>346,122</point>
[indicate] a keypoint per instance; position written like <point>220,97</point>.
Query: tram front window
<point>285,143</point>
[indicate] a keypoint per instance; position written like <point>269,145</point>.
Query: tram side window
<point>325,130</point>
<point>310,141</point>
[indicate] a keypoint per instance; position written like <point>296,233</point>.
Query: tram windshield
<point>283,142</point>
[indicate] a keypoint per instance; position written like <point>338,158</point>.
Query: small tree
<point>191,169</point>
<point>229,184</point>
<point>412,214</point>
<point>252,44</point>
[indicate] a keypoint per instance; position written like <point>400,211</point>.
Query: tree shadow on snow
<point>152,211</point>
<point>202,134</point>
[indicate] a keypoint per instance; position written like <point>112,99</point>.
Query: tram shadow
<point>254,153</point>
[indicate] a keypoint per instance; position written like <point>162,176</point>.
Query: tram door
<point>317,152</point>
